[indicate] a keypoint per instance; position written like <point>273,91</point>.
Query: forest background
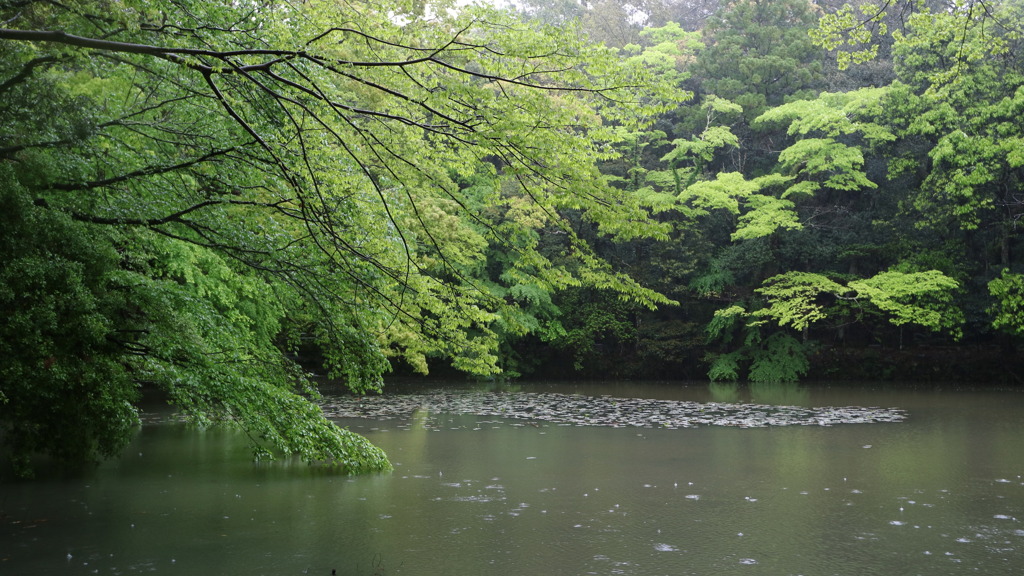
<point>215,201</point>
<point>839,214</point>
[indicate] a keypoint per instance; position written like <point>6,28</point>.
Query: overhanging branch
<point>148,171</point>
<point>175,217</point>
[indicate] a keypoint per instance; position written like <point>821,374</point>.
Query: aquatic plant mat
<point>602,410</point>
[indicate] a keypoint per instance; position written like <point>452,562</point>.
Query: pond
<point>939,490</point>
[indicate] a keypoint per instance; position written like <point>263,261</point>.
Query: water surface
<point>940,493</point>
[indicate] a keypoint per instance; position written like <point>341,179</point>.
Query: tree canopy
<point>845,178</point>
<point>193,190</point>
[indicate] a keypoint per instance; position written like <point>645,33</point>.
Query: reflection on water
<point>774,393</point>
<point>781,393</point>
<point>726,392</point>
<point>941,493</point>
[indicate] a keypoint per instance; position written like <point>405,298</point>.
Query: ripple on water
<point>475,498</point>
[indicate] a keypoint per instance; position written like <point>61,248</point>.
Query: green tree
<point>1008,309</point>
<point>922,298</point>
<point>759,54</point>
<point>236,178</point>
<point>799,300</point>
<point>955,108</point>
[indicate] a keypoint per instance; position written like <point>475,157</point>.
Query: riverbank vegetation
<point>213,200</point>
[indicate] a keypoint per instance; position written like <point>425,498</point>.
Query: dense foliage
<point>195,196</point>
<point>194,191</point>
<point>843,193</point>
